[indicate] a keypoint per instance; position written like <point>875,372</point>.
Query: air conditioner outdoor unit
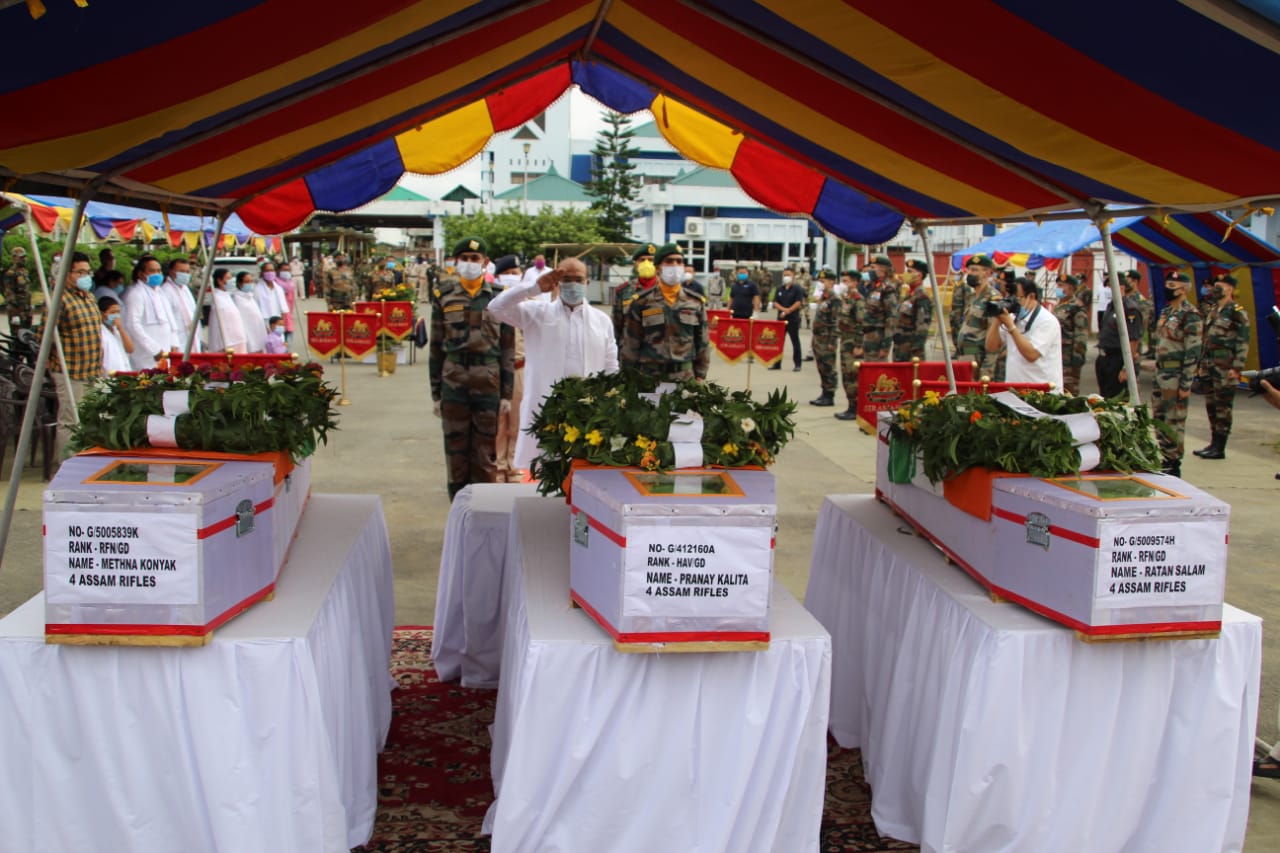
<point>737,229</point>
<point>693,228</point>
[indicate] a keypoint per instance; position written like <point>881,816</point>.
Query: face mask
<point>840,289</point>
<point>391,265</point>
<point>276,330</point>
<point>1171,293</point>
<point>1057,293</point>
<point>646,269</point>
<point>786,279</point>
<point>57,260</point>
<point>182,278</point>
<point>872,276</point>
<point>1217,292</point>
<point>572,292</point>
<point>286,276</point>
<point>470,270</point>
<point>539,264</point>
<point>110,319</point>
<point>972,280</point>
<point>742,276</point>
<point>269,276</point>
<point>119,288</point>
<point>85,282</point>
<point>508,279</point>
<point>1022,311</point>
<point>688,276</point>
<point>155,280</point>
<point>247,287</point>
<point>671,274</point>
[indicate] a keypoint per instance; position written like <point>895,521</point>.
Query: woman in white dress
<point>226,328</point>
<point>255,325</point>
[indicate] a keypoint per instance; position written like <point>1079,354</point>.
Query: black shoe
<point>1202,451</point>
<point>808,358</point>
<point>850,414</point>
<point>1217,450</point>
<point>1172,469</point>
<point>823,400</point>
<point>777,366</point>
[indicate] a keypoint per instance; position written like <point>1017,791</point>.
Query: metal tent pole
<point>923,231</point>
<point>1117,305</point>
<point>204,287</point>
<point>42,362</point>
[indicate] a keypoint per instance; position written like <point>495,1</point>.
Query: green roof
<point>705,177</point>
<point>549,187</point>
<point>458,193</point>
<point>399,193</point>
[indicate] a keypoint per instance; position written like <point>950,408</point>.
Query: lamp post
<point>524,185</point>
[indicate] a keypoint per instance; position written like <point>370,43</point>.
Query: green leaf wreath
<point>953,433</point>
<point>244,410</point>
<point>603,420</point>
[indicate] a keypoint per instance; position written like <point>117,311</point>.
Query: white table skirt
<point>264,740</point>
<point>986,727</point>
<point>594,749</point>
<point>467,638</point>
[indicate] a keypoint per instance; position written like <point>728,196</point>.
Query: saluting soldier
<point>1177,343</point>
<point>1073,319</point>
<point>472,366</point>
<point>625,293</point>
<point>665,332</point>
<point>1226,345</point>
<point>826,337</point>
<point>852,321</point>
<point>971,336</point>
<point>915,315</point>
<point>881,308</point>
<point>340,286</point>
<point>17,290</point>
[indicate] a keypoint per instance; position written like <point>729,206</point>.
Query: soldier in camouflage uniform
<point>881,310</point>
<point>472,367</point>
<point>967,314</point>
<point>853,306</point>
<point>826,337</point>
<point>915,315</point>
<point>1226,345</point>
<point>17,290</point>
<point>665,332</point>
<point>340,286</point>
<point>805,281</point>
<point>1177,342</point>
<point>1004,282</point>
<point>1146,308</point>
<point>1073,319</point>
<point>626,293</point>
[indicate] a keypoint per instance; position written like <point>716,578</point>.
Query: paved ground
<point>390,444</point>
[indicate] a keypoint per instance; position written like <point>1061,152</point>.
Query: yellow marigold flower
<point>932,398</point>
<point>644,443</point>
<point>904,414</point>
<point>730,449</point>
<point>571,433</point>
<point>594,437</point>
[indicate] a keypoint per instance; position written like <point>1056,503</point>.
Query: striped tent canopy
<point>858,113</point>
<point>49,214</point>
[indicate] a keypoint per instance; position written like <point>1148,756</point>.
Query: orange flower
<point>975,417</point>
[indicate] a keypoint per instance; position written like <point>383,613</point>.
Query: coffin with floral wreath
<point>672,515</point>
<point>180,508</point>
<point>1052,502</point>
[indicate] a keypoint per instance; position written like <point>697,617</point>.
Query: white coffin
<point>1109,555</point>
<point>163,561</point>
<point>291,496</point>
<point>673,568</point>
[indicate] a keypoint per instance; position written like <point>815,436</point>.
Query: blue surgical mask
<point>120,288</point>
<point>572,292</point>
<point>247,287</point>
<point>742,276</point>
<point>182,278</point>
<point>155,280</point>
<point>110,319</point>
<point>1022,311</point>
<point>85,282</point>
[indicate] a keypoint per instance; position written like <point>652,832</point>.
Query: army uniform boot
<point>848,414</point>
<point>826,398</point>
<point>1216,450</point>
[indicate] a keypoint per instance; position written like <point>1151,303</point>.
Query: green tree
<point>512,232</point>
<point>612,184</point>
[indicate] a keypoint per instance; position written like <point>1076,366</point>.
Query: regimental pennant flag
<point>734,338</point>
<point>397,319</point>
<point>714,316</point>
<point>767,340</point>
<point>360,333</point>
<point>324,333</point>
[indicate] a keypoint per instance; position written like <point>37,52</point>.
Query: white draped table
<point>264,740</point>
<point>986,727</point>
<point>594,749</point>
<point>466,641</point>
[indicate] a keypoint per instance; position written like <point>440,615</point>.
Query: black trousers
<point>793,332</point>
<point>1107,369</point>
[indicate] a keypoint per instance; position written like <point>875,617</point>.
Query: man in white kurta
<point>182,305</point>
<point>147,318</point>
<point>563,337</point>
<point>226,329</point>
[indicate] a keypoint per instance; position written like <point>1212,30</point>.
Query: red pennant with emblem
<point>768,337</point>
<point>735,338</point>
<point>360,333</point>
<point>397,319</point>
<point>324,331</point>
<point>714,316</point>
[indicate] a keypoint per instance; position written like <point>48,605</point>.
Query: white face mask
<point>671,274</point>
<point>572,292</point>
<point>688,276</point>
<point>470,270</point>
<point>786,279</point>
<point>840,289</point>
<point>508,279</point>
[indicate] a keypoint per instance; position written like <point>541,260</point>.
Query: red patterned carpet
<point>434,774</point>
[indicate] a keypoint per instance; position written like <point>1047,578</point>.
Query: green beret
<point>918,266</point>
<point>1178,277</point>
<point>1072,280</point>
<point>470,244</point>
<point>1225,279</point>
<point>883,260</point>
<point>645,249</point>
<point>666,250</point>
<point>980,261</point>
<point>1134,275</point>
<point>504,263</point>
<point>826,273</point>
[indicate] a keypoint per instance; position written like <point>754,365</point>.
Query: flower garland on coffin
<point>623,420</point>
<point>250,409</point>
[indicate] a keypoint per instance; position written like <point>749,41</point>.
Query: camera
<point>993,307</point>
<point>1253,378</point>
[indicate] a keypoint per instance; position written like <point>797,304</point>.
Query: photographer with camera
<point>1031,333</point>
<point>1226,345</point>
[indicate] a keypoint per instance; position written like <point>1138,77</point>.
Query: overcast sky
<point>585,122</point>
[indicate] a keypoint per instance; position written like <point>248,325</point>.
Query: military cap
<point>470,244</point>
<point>504,263</point>
<point>1178,277</point>
<point>1134,275</point>
<point>918,266</point>
<point>827,274</point>
<point>1073,280</point>
<point>666,250</point>
<point>1225,279</point>
<point>980,261</point>
<point>18,252</point>
<point>882,260</point>
<point>645,249</point>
